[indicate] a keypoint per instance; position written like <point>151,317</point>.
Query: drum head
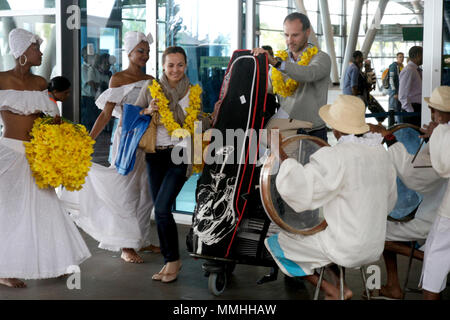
<point>299,147</point>
<point>407,200</point>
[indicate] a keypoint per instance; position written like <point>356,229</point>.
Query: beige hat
<point>346,114</point>
<point>440,99</point>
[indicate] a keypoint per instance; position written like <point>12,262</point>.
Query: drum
<point>299,147</point>
<point>407,200</point>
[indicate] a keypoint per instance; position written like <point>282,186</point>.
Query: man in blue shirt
<point>352,74</point>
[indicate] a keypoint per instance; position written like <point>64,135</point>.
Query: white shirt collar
<point>369,139</point>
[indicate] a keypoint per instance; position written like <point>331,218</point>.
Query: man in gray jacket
<point>313,79</point>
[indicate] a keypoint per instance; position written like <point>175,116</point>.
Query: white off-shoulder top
<point>25,102</point>
<point>121,95</point>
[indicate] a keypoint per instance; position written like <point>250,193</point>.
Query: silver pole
<point>312,37</point>
<point>250,24</point>
<point>374,26</point>
<point>353,36</point>
<point>329,39</point>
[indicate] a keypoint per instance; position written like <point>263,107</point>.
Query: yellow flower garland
<point>288,87</point>
<point>167,119</point>
<point>59,154</point>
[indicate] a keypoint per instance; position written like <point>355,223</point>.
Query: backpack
<point>385,79</point>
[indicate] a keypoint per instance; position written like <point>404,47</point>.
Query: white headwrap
<point>133,38</point>
<point>20,40</point>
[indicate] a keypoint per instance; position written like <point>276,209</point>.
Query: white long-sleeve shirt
<point>424,180</point>
<point>440,160</point>
<point>355,183</point>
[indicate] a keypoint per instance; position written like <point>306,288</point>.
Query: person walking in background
<point>394,71</point>
<point>112,208</point>
<point>410,86</point>
<point>352,73</point>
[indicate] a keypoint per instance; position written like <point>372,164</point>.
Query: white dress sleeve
<point>418,179</point>
<point>440,150</point>
<point>27,102</point>
<point>144,97</point>
<point>313,185</point>
<point>116,96</point>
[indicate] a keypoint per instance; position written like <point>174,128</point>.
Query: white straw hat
<point>440,99</point>
<point>346,114</point>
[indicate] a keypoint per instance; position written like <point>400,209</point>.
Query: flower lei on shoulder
<point>59,154</point>
<point>173,128</point>
<point>288,87</point>
<point>167,118</point>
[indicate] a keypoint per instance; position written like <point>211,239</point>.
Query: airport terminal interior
<point>81,34</point>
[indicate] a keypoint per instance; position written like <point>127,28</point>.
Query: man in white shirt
<point>436,263</point>
<point>432,188</point>
<point>410,86</point>
<point>355,200</point>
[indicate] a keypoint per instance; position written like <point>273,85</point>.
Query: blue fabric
<point>291,267</point>
<point>408,199</point>
<point>133,128</point>
<point>350,79</point>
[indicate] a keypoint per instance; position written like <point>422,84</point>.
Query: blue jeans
<point>166,181</point>
<point>395,106</point>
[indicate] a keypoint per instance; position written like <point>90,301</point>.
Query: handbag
<point>148,140</point>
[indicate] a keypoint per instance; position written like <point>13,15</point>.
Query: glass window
<point>445,75</point>
<point>44,26</point>
<point>31,5</point>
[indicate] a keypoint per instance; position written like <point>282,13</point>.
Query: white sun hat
<point>440,99</point>
<point>346,114</point>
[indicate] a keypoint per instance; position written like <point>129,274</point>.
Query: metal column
<point>432,51</point>
<point>374,26</point>
<point>151,26</point>
<point>353,36</point>
<point>329,39</point>
<point>312,37</point>
<point>250,24</point>
<point>69,57</point>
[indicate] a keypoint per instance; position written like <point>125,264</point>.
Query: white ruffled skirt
<point>38,240</point>
<point>114,209</point>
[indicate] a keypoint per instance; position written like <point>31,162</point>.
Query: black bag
<point>225,187</point>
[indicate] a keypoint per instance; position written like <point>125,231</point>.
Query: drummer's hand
<point>152,108</point>
<point>378,128</point>
<point>258,51</point>
<point>427,130</point>
<point>57,119</point>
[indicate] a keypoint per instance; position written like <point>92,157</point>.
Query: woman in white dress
<point>37,239</point>
<point>112,208</point>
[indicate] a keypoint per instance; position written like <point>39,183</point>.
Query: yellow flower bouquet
<point>59,154</point>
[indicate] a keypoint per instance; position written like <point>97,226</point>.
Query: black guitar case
<point>226,187</point>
